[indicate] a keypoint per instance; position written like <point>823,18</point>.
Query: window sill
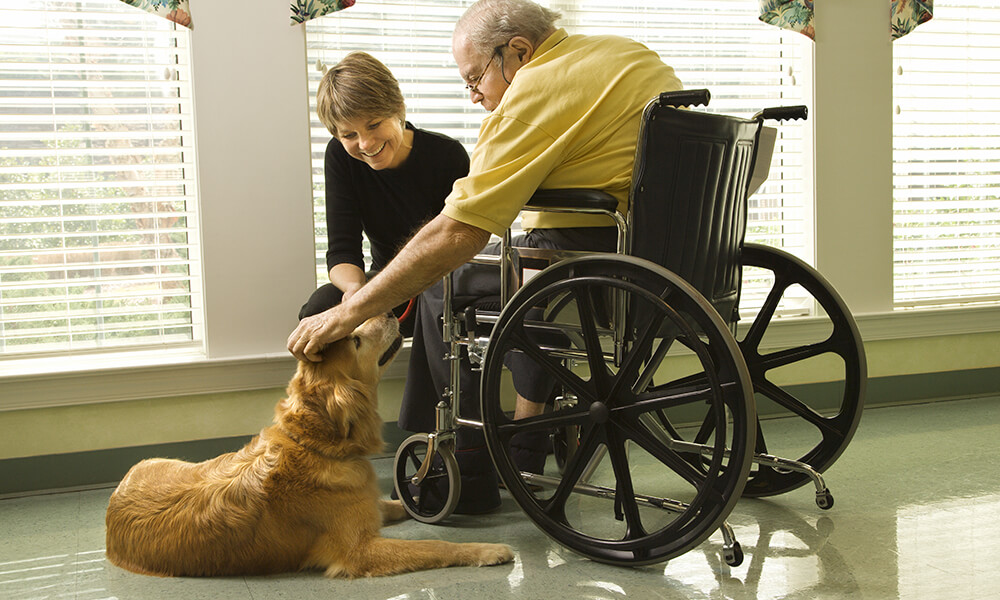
<point>66,381</point>
<point>40,383</point>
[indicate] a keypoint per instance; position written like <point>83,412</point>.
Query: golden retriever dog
<point>301,495</point>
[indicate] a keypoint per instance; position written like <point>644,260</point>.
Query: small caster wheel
<point>437,496</point>
<point>733,556</point>
<point>824,500</point>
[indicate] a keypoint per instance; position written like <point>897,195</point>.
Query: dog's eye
<point>357,341</point>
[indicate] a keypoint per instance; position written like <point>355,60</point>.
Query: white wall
<point>853,122</point>
<point>252,120</point>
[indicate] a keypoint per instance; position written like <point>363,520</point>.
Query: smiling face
<point>379,142</point>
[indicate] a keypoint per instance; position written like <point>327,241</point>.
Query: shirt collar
<point>551,41</point>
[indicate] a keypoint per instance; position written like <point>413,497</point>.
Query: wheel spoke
<point>577,415</point>
<point>759,326</point>
<point>627,375</point>
<point>655,447</point>
<point>555,368</point>
<point>428,489</point>
<point>790,356</point>
<point>624,492</point>
<point>595,354</point>
<point>653,364</point>
<point>686,381</point>
<point>660,399</point>
<point>797,407</point>
<point>555,506</point>
<point>411,454</point>
<point>707,427</point>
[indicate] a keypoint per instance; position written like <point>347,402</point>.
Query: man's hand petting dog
<point>314,333</point>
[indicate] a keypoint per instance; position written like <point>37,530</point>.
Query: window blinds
<point>946,154</point>
<point>98,232</point>
<point>715,44</point>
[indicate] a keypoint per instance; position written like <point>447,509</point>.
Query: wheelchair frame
<point>717,461</point>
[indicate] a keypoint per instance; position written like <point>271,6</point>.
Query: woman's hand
<point>347,278</point>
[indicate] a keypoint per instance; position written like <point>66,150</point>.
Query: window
<point>946,154</point>
<point>715,44</point>
<point>98,222</point>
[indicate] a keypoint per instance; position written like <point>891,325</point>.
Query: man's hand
<point>315,332</point>
<point>436,249</point>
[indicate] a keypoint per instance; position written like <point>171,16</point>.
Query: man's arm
<point>438,248</point>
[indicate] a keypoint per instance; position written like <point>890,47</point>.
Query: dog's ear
<point>354,413</point>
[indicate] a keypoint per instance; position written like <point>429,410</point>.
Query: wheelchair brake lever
<point>476,356</point>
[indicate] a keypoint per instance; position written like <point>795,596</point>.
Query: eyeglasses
<point>473,85</point>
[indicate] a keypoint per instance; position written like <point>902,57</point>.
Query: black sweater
<point>387,205</point>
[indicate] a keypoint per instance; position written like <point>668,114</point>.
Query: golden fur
<point>301,495</point>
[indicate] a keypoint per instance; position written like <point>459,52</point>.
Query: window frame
<point>103,237</point>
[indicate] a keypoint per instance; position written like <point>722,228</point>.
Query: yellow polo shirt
<point>570,119</point>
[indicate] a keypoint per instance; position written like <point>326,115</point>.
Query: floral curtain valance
<point>797,15</point>
<point>306,10</point>
<point>179,12</point>
<point>173,10</point>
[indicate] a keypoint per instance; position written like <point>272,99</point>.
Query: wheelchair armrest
<point>572,199</point>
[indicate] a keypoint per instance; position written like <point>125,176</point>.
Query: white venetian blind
<point>715,44</point>
<point>946,154</point>
<point>98,231</point>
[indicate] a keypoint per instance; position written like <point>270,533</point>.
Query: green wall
<point>90,427</point>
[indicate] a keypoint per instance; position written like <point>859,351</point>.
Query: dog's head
<point>363,355</point>
<point>332,404</point>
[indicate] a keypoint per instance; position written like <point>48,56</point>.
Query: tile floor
<point>917,516</point>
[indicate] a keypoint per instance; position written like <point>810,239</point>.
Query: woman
<point>384,177</point>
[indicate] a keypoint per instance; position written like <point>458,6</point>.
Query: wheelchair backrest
<point>688,197</point>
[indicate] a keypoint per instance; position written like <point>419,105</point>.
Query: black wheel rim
<point>615,403</point>
<point>833,425</point>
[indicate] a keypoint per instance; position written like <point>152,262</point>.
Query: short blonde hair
<point>359,86</point>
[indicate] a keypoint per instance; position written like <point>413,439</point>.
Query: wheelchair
<point>654,424</point>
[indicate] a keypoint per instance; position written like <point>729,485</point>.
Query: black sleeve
<point>458,167</point>
<point>343,215</point>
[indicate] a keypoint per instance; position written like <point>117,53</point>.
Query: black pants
<point>429,372</point>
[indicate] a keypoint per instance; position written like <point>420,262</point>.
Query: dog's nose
<point>390,314</point>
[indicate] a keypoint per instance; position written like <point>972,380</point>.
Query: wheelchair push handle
<point>685,98</point>
<point>782,113</point>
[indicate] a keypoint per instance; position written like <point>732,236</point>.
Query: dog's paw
<point>494,554</point>
<point>392,510</point>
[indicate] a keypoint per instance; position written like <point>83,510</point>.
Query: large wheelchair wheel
<point>437,495</point>
<point>631,492</point>
<point>825,420</point>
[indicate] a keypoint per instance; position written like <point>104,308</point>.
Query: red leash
<point>409,309</point>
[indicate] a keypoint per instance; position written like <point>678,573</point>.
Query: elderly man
<point>564,113</point>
